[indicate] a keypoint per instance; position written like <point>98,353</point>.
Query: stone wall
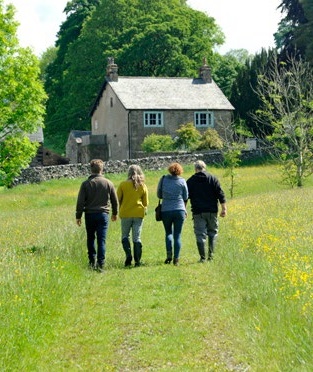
<point>71,171</point>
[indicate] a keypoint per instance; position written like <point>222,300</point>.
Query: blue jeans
<point>134,225</point>
<point>173,224</point>
<point>96,224</point>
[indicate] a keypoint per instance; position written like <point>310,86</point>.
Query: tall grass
<point>250,309</point>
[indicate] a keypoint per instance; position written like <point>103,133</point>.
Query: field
<point>248,310</point>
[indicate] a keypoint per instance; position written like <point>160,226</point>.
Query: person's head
<point>200,166</point>
<point>175,169</point>
<point>96,166</point>
<point>135,174</point>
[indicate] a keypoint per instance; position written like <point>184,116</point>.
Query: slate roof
<point>149,93</point>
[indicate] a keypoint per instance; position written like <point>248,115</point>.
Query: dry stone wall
<point>71,171</point>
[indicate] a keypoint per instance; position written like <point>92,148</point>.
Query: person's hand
<point>78,221</point>
<point>223,213</point>
<point>113,217</point>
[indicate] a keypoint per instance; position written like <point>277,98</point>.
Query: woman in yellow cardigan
<point>133,201</point>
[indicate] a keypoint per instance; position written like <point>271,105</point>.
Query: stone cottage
<point>127,109</point>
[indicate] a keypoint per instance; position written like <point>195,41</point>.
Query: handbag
<point>158,212</point>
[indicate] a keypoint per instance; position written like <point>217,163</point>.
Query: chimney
<point>205,72</point>
<point>111,73</point>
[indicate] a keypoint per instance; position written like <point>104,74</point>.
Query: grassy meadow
<point>248,310</point>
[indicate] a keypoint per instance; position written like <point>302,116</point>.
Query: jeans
<point>173,224</point>
<point>96,224</point>
<point>134,225</point>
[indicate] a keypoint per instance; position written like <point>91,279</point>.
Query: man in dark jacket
<point>96,195</point>
<point>205,193</point>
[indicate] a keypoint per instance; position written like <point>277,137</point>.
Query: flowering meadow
<point>248,310</point>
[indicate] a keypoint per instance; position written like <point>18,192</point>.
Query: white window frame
<point>204,119</point>
<point>153,119</point>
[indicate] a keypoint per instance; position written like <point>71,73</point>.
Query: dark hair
<point>175,169</point>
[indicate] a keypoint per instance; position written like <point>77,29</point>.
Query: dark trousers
<point>173,224</point>
<point>96,226</point>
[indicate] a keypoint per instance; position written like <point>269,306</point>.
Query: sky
<point>246,24</point>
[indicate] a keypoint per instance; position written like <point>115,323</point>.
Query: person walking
<point>205,193</point>
<point>173,191</point>
<point>96,197</point>
<point>133,200</point>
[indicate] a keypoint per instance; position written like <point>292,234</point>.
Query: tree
<point>21,99</point>
<point>294,35</point>
<point>46,59</point>
<point>225,68</point>
<point>244,97</point>
<point>146,38</point>
<point>286,93</point>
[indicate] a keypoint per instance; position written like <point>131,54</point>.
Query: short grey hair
<point>200,165</point>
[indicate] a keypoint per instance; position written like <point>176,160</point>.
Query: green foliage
<point>21,99</point>
<point>188,137</point>
<point>226,68</point>
<point>156,142</point>
<point>46,59</point>
<point>287,107</point>
<point>146,38</point>
<point>294,35</point>
<point>244,96</point>
<point>210,139</point>
<point>15,154</point>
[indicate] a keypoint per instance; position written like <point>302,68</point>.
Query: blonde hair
<point>175,169</point>
<point>96,166</point>
<point>135,174</point>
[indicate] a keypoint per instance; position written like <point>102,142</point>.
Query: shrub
<point>210,140</point>
<point>157,142</point>
<point>188,137</point>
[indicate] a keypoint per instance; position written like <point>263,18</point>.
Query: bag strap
<point>161,186</point>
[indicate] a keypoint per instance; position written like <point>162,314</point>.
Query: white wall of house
<point>111,118</point>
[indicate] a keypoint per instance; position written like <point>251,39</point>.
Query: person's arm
<point>159,188</point>
<point>80,205</point>
<point>114,203</point>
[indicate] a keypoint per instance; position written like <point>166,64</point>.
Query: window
<point>153,119</point>
<point>204,119</point>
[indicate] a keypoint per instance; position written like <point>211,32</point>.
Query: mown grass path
<point>150,318</point>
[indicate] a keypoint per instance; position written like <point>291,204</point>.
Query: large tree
<point>244,97</point>
<point>21,99</point>
<point>146,38</point>
<point>55,72</point>
<point>294,35</point>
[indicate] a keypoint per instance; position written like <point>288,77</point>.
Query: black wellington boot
<point>201,250</point>
<point>212,244</point>
<point>128,252</point>
<point>137,253</point>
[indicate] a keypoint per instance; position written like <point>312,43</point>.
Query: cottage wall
<point>111,118</point>
<point>173,119</point>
